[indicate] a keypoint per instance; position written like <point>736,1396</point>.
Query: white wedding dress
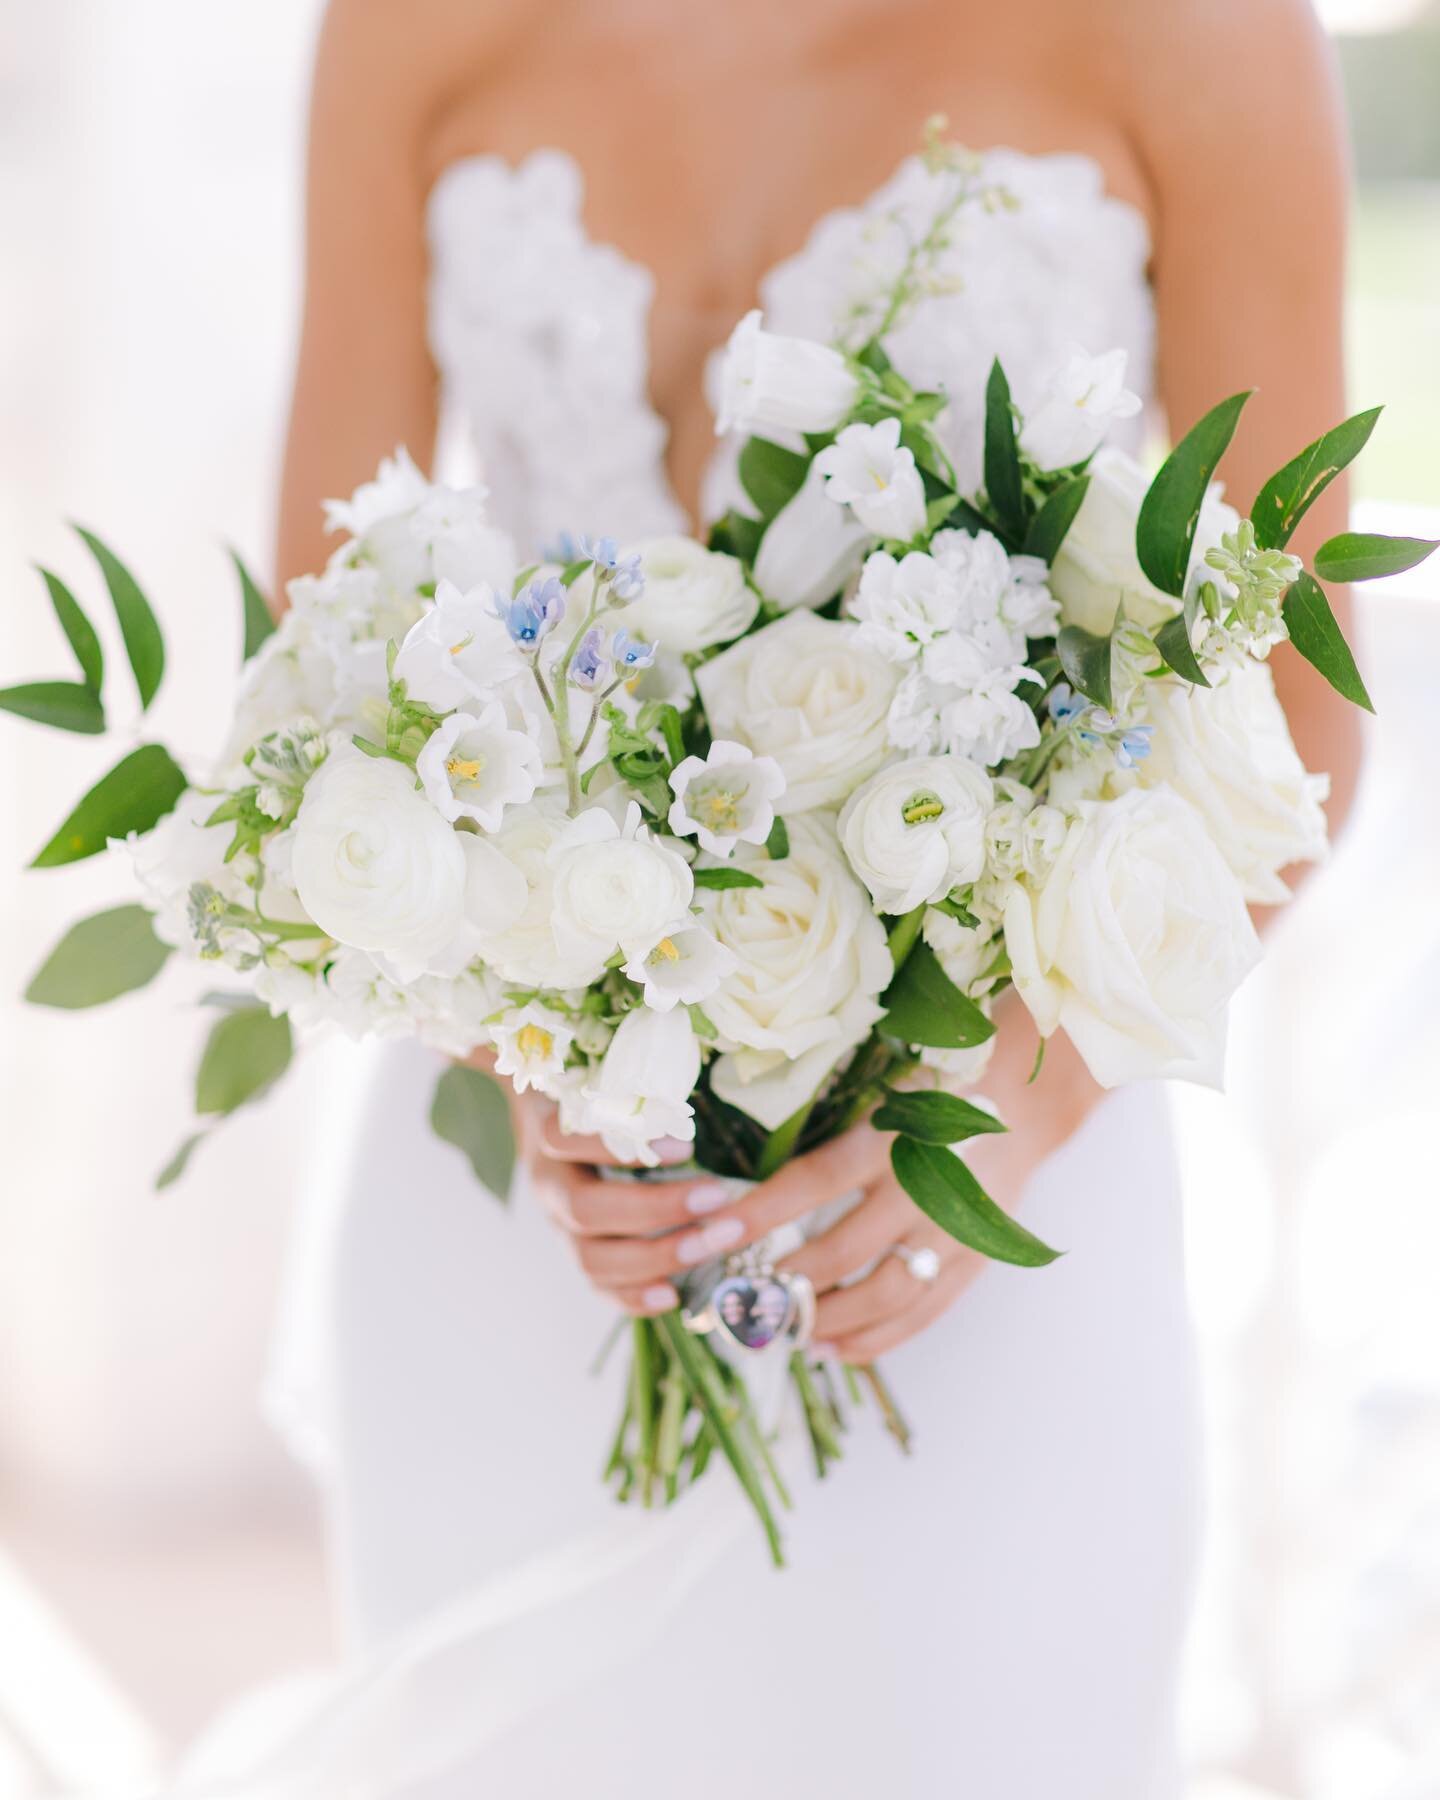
<point>999,1615</point>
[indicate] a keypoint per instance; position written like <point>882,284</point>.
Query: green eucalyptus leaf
<point>1172,640</point>
<point>572,572</point>
<point>726,878</point>
<point>67,705</point>
<point>923,1006</point>
<point>1367,555</point>
<point>1003,485</point>
<point>470,1111</point>
<point>139,627</point>
<point>246,1053</point>
<point>946,1191</point>
<point>1316,634</point>
<point>933,1118</point>
<point>1170,511</point>
<point>108,954</point>
<point>771,475</point>
<point>75,623</point>
<point>737,535</point>
<point>180,1160</point>
<point>258,622</point>
<point>1054,519</point>
<point>1087,661</point>
<point>778,842</point>
<point>135,795</point>
<point>1290,493</point>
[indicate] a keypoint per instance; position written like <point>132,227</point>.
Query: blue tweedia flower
<point>604,552</point>
<point>628,581</point>
<point>1134,747</point>
<point>630,652</point>
<point>1065,704</point>
<point>534,612</point>
<point>589,662</point>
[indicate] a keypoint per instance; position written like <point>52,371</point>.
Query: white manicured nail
<point>724,1234</point>
<point>660,1299</point>
<point>709,1197</point>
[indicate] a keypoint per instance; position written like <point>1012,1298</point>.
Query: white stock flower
<point>1097,571</point>
<point>474,766</point>
<point>904,605</point>
<point>804,692</point>
<point>1228,751</point>
<point>374,864</point>
<point>614,886</point>
<point>726,797</point>
<point>458,650</point>
<point>917,829</point>
<point>694,598</point>
<point>869,470</point>
<point>810,548</point>
<point>398,488</point>
<point>1134,940</point>
<point>774,383</point>
<point>812,962</point>
<point>531,1045</point>
<point>413,532</point>
<point>177,852</point>
<point>1081,397</point>
<point>642,1089</point>
<point>684,968</point>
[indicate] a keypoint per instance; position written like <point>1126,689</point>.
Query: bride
<point>529,226</point>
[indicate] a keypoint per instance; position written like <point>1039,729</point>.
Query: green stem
<point>642,1379</point>
<point>889,1411</point>
<point>903,934</point>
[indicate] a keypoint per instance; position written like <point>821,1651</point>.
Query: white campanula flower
<point>917,829</point>
<point>614,886</point>
<point>473,766</point>
<point>1228,751</point>
<point>869,470</point>
<point>1134,940</point>
<point>1096,571</point>
<point>725,798</point>
<point>375,866</point>
<point>806,693</point>
<point>904,605</point>
<point>458,650</point>
<point>642,1089</point>
<point>1081,398</point>
<point>531,1045</point>
<point>693,598</point>
<point>684,968</point>
<point>774,383</point>
<point>811,963</point>
<point>810,549</point>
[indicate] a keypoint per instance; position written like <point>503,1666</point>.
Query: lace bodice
<point>541,335</point>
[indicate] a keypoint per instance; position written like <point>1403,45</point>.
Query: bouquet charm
<point>750,1306</point>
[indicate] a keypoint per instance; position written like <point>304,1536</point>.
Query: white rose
<point>1097,571</point>
<point>812,961</point>
<point>774,383</point>
<point>473,766</point>
<point>917,829</point>
<point>810,548</point>
<point>804,692</point>
<point>1228,751</point>
<point>1134,940</point>
<point>615,886</point>
<point>642,1091</point>
<point>694,598</point>
<point>869,470</point>
<point>374,864</point>
<point>1081,397</point>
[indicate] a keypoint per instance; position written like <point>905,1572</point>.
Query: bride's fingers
<point>837,1168</point>
<point>593,1207</point>
<point>553,1145</point>
<point>888,1290</point>
<point>880,1220</point>
<point>925,1303</point>
<point>649,1302</point>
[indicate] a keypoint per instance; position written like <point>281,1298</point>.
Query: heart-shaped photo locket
<point>753,1310</point>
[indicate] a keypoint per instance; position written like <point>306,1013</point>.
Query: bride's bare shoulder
<point>413,56</point>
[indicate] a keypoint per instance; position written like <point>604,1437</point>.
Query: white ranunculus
<point>509,902</point>
<point>903,606</point>
<point>726,797</point>
<point>531,1045</point>
<point>458,650</point>
<point>694,598</point>
<point>1228,751</point>
<point>1097,571</point>
<point>643,1087</point>
<point>810,549</point>
<point>774,383</point>
<point>473,766</point>
<point>1134,940</point>
<point>1081,397</point>
<point>869,470</point>
<point>374,864</point>
<point>812,962</point>
<point>684,969</point>
<point>615,885</point>
<point>806,693</point>
<point>917,829</point>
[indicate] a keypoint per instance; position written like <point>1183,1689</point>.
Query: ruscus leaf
<point>80,633</point>
<point>947,1192</point>
<point>933,1117</point>
<point>1086,660</point>
<point>923,1006</point>
<point>1367,555</point>
<point>1170,511</point>
<point>67,705</point>
<point>256,614</point>
<point>726,878</point>
<point>1290,492</point>
<point>246,1052</point>
<point>1316,634</point>
<point>470,1111</point>
<point>109,954</point>
<point>1003,484</point>
<point>771,475</point>
<point>135,795</point>
<point>144,644</point>
<point>1054,519</point>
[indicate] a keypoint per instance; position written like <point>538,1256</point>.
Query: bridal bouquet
<point>738,842</point>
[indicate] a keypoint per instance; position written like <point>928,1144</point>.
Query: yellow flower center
<point>718,809</point>
<point>921,807</point>
<point>664,951</point>
<point>464,768</point>
<point>534,1042</point>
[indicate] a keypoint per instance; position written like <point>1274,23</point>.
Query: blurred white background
<point>157,1549</point>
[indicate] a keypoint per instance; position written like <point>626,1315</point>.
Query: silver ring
<point>923,1264</point>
